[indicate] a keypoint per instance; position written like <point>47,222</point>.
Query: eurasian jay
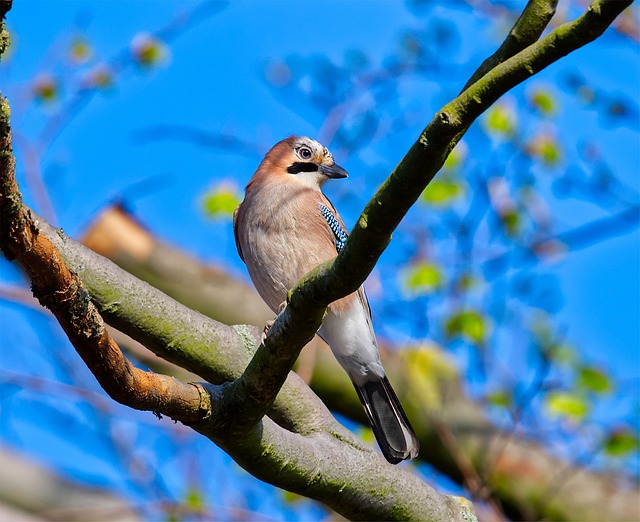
<point>284,228</point>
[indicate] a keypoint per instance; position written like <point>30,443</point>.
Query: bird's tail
<point>390,425</point>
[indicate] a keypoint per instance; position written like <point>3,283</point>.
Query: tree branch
<point>529,27</point>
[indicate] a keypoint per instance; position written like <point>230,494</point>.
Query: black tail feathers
<point>390,425</point>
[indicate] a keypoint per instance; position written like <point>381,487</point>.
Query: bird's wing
<point>362,297</point>
<point>337,227</point>
<point>334,222</point>
<point>235,232</point>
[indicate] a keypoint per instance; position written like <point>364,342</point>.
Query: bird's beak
<point>334,171</point>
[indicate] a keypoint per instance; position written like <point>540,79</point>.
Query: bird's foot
<point>269,323</point>
<point>266,329</point>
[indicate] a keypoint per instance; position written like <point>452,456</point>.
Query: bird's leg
<point>269,323</point>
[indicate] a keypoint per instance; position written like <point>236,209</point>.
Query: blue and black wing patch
<point>336,228</point>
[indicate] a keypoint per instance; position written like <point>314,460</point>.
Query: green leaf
<point>221,201</point>
<point>594,379</point>
<point>511,221</point>
<point>567,405</point>
<point>469,325</point>
<point>563,353</point>
<point>45,88</point>
<point>543,101</point>
<point>423,278</point>
<point>546,148</point>
<point>80,51</point>
<point>148,50</point>
<point>441,192</point>
<point>621,442</point>
<point>193,500</point>
<point>500,120</point>
<point>467,282</point>
<point>101,76</point>
<point>500,398</point>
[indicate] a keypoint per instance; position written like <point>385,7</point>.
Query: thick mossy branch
<point>372,233</point>
<point>314,456</point>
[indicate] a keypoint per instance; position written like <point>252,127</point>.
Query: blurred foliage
<point>594,379</point>
<point>428,367</point>
<point>621,442</point>
<point>471,325</point>
<point>544,101</point>
<point>567,405</point>
<point>220,201</point>
<point>80,51</point>
<point>148,50</point>
<point>423,278</point>
<point>441,192</point>
<point>546,148</point>
<point>500,120</point>
<point>45,88</point>
<point>502,398</point>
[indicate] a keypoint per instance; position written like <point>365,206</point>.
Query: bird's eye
<point>304,153</point>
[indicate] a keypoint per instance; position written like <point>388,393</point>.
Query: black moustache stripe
<point>299,166</point>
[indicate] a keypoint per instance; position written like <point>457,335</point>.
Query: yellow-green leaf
<point>193,500</point>
<point>500,120</point>
<point>80,51</point>
<point>423,278</point>
<point>501,398</point>
<point>543,101</point>
<point>468,324</point>
<point>45,88</point>
<point>594,379</point>
<point>511,220</point>
<point>220,202</point>
<point>621,442</point>
<point>563,353</point>
<point>441,192</point>
<point>567,405</point>
<point>546,148</point>
<point>148,50</point>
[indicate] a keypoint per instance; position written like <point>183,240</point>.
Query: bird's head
<point>302,161</point>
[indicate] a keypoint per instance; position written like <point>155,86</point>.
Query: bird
<point>284,227</point>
